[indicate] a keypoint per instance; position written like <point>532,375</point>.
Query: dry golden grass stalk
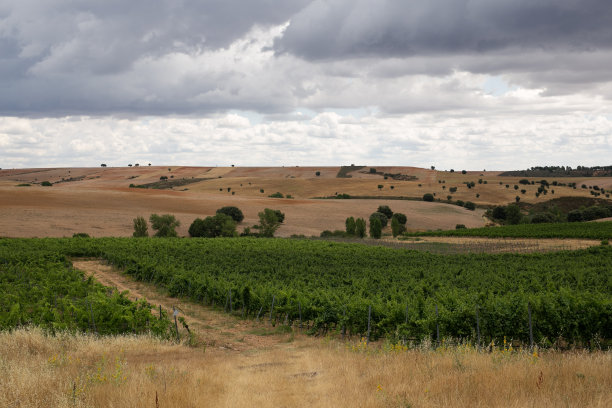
<point>131,371</point>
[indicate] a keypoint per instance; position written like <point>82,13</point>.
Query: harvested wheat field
<point>100,202</point>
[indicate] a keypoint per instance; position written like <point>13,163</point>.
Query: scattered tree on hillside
<point>140,228</point>
<point>233,212</point>
<point>165,225</point>
<point>428,197</point>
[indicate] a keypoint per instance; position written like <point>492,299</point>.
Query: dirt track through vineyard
<point>215,329</point>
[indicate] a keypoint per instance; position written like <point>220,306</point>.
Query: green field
<point>38,286</point>
<point>586,230</point>
<point>332,285</point>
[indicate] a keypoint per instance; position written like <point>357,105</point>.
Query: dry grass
<point>83,371</point>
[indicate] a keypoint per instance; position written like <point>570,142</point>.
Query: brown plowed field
<point>99,201</point>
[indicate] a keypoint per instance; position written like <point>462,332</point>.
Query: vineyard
<point>586,230</point>
<point>321,285</point>
<point>38,286</point>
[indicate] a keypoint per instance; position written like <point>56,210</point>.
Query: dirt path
<point>217,330</point>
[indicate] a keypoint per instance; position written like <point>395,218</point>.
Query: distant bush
<point>459,226</point>
<point>463,172</point>
<point>46,184</point>
<point>469,205</point>
<point>428,197</point>
<point>318,173</point>
<point>459,203</point>
<point>233,212</point>
<point>452,189</point>
<point>80,235</point>
<point>372,170</point>
<point>277,195</point>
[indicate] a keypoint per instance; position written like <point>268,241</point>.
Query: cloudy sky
<point>473,84</point>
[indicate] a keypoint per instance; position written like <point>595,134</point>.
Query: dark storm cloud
<point>357,28</point>
<point>73,56</point>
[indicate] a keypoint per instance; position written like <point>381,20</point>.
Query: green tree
<point>233,212</point>
<point>140,227</point>
<point>165,225</point>
<point>396,227</point>
<point>375,228</point>
<point>513,214</point>
<point>381,217</point>
<point>385,210</point>
<point>401,218</point>
<point>219,225</point>
<point>269,222</point>
<point>350,225</point>
<point>360,227</point>
<point>428,197</point>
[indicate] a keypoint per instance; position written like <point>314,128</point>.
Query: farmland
<point>422,320</point>
<point>330,286</point>
<point>589,230</point>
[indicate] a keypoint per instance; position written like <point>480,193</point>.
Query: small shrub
<point>459,226</point>
<point>277,195</point>
<point>318,173</point>
<point>46,184</point>
<point>469,205</point>
<point>80,235</point>
<point>428,197</point>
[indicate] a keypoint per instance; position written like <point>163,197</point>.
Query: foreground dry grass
<point>84,371</point>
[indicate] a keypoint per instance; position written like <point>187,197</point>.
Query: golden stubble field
<point>98,201</point>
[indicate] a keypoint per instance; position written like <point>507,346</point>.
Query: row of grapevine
<point>579,230</point>
<point>332,285</point>
<point>40,287</point>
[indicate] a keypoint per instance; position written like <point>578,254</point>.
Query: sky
<point>463,84</point>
